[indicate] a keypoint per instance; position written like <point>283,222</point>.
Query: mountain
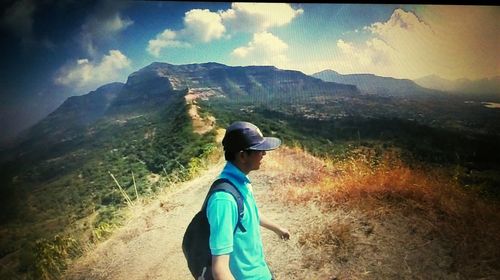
<point>13,122</point>
<point>56,178</point>
<point>240,80</point>
<point>56,181</point>
<point>152,87</point>
<point>65,123</point>
<point>81,110</point>
<point>488,87</point>
<point>436,82</point>
<point>372,84</point>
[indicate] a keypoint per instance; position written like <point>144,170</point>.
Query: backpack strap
<point>224,185</point>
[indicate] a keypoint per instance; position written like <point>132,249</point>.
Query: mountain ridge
<point>151,85</point>
<point>373,84</point>
<point>242,80</point>
<point>141,133</point>
<point>486,86</point>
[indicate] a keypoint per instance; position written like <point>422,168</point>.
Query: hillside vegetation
<point>408,199</point>
<point>472,155</point>
<point>403,176</point>
<point>356,218</point>
<point>54,207</point>
<point>380,219</point>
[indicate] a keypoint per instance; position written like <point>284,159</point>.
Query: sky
<point>52,50</point>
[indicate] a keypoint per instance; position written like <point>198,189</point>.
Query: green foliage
<point>102,231</point>
<point>313,127</point>
<point>57,184</point>
<point>51,256</point>
<point>108,215</point>
<point>196,164</point>
<point>74,184</point>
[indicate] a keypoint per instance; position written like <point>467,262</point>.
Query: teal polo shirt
<point>245,249</point>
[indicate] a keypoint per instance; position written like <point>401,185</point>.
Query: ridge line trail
<point>148,245</point>
<point>343,243</point>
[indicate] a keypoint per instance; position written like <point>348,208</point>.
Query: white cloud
<point>116,24</point>
<point>165,39</point>
<point>468,39</point>
<point>396,48</point>
<point>401,23</point>
<point>346,47</point>
<point>86,75</point>
<point>199,26</point>
<point>203,26</point>
<point>453,42</point>
<point>372,55</point>
<point>258,17</point>
<point>265,48</point>
<point>102,26</point>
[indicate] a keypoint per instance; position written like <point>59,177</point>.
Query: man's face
<point>254,159</point>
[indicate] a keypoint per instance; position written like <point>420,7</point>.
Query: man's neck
<point>241,167</point>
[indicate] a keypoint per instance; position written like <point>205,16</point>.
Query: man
<point>237,254</point>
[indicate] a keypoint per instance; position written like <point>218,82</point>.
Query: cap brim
<point>269,143</point>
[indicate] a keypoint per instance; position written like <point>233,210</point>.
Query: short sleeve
<point>222,214</point>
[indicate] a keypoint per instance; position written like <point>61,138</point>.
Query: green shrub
<point>51,256</point>
<point>102,231</point>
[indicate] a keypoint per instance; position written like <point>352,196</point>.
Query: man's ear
<point>241,156</point>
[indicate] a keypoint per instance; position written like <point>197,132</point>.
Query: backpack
<point>195,243</point>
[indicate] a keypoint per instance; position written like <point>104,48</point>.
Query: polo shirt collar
<point>235,173</point>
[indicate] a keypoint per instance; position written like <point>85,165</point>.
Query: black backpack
<point>195,242</point>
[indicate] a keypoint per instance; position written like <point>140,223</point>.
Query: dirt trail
<point>380,246</point>
<point>148,246</point>
<point>200,125</point>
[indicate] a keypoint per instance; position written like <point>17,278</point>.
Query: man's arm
<point>222,214</point>
<point>220,268</point>
<point>281,232</point>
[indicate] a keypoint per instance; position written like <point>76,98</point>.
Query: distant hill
<point>79,110</point>
<point>56,179</point>
<point>372,84</point>
<point>268,81</point>
<point>488,87</point>
<point>151,88</point>
<point>64,123</point>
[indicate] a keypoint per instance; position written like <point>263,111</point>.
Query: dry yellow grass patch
<point>416,220</point>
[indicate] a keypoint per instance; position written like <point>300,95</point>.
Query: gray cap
<point>247,136</point>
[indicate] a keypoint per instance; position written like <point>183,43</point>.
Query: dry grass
<point>325,241</point>
<point>437,224</point>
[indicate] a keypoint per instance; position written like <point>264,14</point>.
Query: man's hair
<point>230,156</point>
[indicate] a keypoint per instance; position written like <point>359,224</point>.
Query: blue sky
<point>56,49</point>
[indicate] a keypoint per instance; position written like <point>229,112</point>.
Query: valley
<point>162,128</point>
<point>348,219</point>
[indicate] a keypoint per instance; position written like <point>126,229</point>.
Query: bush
<point>51,256</point>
